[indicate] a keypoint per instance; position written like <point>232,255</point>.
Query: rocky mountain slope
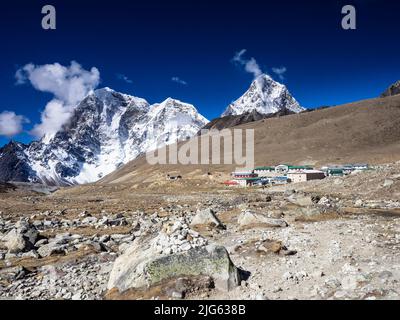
<point>235,120</point>
<point>265,96</point>
<point>394,89</point>
<point>106,130</point>
<point>365,131</point>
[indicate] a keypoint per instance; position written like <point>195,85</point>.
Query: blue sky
<point>139,47</point>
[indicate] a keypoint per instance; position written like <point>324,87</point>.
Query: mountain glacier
<point>106,130</point>
<point>265,96</point>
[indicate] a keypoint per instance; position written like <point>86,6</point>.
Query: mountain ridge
<point>107,129</point>
<point>266,96</point>
<point>335,135</point>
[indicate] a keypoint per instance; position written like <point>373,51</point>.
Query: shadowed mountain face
<point>393,90</point>
<point>232,120</point>
<point>14,163</point>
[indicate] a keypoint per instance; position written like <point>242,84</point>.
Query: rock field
<point>338,238</point>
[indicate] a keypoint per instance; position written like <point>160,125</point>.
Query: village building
<point>341,170</point>
<point>278,180</point>
<point>231,183</point>
<point>247,182</point>
<point>244,174</point>
<point>360,166</point>
<point>299,168</point>
<point>264,171</point>
<point>282,169</point>
<point>305,175</point>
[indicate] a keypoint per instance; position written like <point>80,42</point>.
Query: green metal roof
<point>265,168</point>
<point>335,170</point>
<point>300,167</point>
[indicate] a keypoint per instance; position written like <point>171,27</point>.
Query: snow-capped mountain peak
<point>170,121</point>
<point>266,96</point>
<point>106,130</point>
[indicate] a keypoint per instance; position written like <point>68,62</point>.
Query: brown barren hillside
<point>365,131</point>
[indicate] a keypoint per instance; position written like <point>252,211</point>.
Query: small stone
<point>387,183</point>
<point>177,295</point>
<point>50,249</point>
<point>358,203</point>
<point>41,242</point>
<point>324,201</point>
<point>340,294</point>
<point>385,274</point>
<point>67,296</point>
<point>31,254</point>
<point>261,296</point>
<point>76,296</point>
<point>332,283</point>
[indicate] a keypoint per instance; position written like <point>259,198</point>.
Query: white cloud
<point>123,77</point>
<point>11,124</point>
<point>280,71</point>
<point>250,65</point>
<point>179,80</point>
<point>55,114</point>
<point>68,84</point>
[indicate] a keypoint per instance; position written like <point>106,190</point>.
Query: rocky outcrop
<point>211,260</point>
<point>393,90</point>
<point>21,238</point>
<point>250,219</point>
<point>207,218</point>
<point>301,200</point>
<point>150,261</point>
<point>235,120</point>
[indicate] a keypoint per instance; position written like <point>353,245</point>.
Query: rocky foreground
<point>332,239</point>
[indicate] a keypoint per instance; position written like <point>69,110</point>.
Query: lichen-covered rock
<point>210,260</point>
<point>144,264</point>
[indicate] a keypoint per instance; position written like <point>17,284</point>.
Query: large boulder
<point>393,90</point>
<point>176,251</point>
<point>310,211</point>
<point>50,249</point>
<point>207,218</point>
<point>28,230</point>
<point>132,271</point>
<point>15,242</point>
<point>250,219</point>
<point>21,238</point>
<point>300,200</point>
<point>211,260</point>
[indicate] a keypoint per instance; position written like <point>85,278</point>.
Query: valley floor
<point>341,241</point>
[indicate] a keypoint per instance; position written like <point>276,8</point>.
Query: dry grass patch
<point>319,217</point>
<point>32,263</point>
<point>257,248</point>
<point>89,231</point>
